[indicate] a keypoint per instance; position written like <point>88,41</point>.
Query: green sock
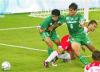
<point>83,60</point>
<point>50,50</point>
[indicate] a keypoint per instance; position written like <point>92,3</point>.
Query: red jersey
<point>93,67</point>
<point>65,43</point>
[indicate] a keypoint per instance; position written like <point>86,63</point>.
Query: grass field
<point>18,46</point>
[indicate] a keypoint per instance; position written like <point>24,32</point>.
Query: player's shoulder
<point>61,17</point>
<point>48,18</point>
<point>79,15</point>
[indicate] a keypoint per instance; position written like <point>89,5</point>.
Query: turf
<point>27,60</point>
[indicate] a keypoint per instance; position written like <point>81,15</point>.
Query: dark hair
<point>96,55</point>
<point>73,6</point>
<point>55,12</point>
<point>91,22</point>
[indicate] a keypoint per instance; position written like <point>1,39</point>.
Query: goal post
<point>86,10</point>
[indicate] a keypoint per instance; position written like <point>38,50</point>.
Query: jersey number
<point>71,26</point>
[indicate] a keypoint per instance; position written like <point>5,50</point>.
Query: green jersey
<point>73,23</point>
<point>75,29</point>
<point>49,22</point>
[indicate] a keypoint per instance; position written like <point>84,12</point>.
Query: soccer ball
<point>6,65</point>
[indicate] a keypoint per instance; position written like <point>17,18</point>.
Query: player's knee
<point>75,46</point>
<point>57,42</point>
<point>50,44</point>
<point>60,50</point>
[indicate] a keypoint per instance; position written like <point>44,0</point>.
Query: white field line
<point>28,48</point>
<point>27,27</point>
<point>19,28</point>
<point>22,47</point>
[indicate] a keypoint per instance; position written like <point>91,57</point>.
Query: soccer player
<point>95,65</point>
<point>65,44</point>
<point>75,24</point>
<point>47,33</point>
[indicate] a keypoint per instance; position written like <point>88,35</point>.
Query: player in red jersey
<point>66,46</point>
<point>95,65</point>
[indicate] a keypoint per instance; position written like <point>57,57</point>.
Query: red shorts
<point>65,43</point>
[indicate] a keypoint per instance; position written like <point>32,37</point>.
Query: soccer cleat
<point>46,64</point>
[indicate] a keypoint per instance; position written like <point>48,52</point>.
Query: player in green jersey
<point>47,33</point>
<point>75,23</point>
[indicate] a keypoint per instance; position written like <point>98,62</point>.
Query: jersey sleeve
<point>45,24</point>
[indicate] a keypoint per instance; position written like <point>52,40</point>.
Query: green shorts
<point>81,38</point>
<point>53,35</point>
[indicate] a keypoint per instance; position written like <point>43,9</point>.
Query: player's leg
<point>46,38</point>
<point>76,45</point>
<point>49,44</point>
<point>86,41</point>
<point>91,47</point>
<point>65,57</point>
<point>55,38</point>
<point>71,52</point>
<point>52,56</point>
<point>57,42</point>
<point>61,48</point>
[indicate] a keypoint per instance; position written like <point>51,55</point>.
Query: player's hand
<point>50,28</point>
<point>41,30</point>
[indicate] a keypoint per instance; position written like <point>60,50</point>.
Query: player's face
<point>92,27</point>
<point>54,18</point>
<point>72,12</point>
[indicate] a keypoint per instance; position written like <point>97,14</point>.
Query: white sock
<point>64,56</point>
<point>52,56</point>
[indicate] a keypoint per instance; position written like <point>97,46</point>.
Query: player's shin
<point>91,48</point>
<point>52,56</point>
<point>83,60</point>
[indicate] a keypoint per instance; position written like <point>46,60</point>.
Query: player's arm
<point>44,25</point>
<point>54,26</point>
<point>82,21</point>
<point>57,24</point>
